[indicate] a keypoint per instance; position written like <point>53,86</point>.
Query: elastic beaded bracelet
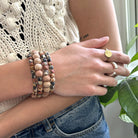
<point>34,79</point>
<point>51,70</point>
<point>46,77</point>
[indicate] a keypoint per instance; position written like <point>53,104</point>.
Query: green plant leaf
<point>134,70</point>
<point>131,43</point>
<point>128,98</point>
<point>134,58</point>
<point>136,25</point>
<point>110,97</point>
<point>124,117</point>
<point>136,130</point>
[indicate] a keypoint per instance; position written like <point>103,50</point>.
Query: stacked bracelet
<point>42,71</point>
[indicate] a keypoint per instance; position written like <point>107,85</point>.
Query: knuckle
<point>90,90</point>
<point>96,77</point>
<point>114,82</point>
<point>119,55</point>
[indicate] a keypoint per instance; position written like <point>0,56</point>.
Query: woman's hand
<point>81,69</point>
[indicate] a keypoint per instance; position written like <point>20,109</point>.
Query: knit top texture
<point>26,25</point>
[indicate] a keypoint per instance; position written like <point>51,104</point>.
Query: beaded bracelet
<point>42,71</point>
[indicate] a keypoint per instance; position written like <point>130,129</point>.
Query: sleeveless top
<point>33,24</point>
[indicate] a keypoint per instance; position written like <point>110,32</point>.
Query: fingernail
<point>104,38</point>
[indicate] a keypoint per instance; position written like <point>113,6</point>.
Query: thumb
<point>95,43</point>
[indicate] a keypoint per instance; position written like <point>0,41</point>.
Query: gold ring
<point>115,66</point>
<point>108,53</point>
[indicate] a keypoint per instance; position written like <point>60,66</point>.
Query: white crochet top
<point>33,24</point>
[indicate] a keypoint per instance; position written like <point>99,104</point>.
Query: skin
<point>88,53</point>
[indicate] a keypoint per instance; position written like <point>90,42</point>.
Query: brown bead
<point>40,93</point>
<point>40,86</point>
<point>46,78</point>
<point>40,89</point>
<point>32,67</point>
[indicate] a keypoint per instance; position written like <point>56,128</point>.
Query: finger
<point>116,56</point>
<point>121,70</point>
<point>107,80</point>
<point>95,43</point>
<point>100,90</point>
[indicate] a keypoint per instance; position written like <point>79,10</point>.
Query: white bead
<point>63,44</point>
<point>50,11</point>
<point>16,8</point>
<point>4,5</point>
<point>59,22</point>
<point>12,57</point>
<point>59,4</point>
<point>10,22</point>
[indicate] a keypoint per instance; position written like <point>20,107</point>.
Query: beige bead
<point>39,73</point>
<point>36,56</point>
<point>46,78</point>
<point>53,79</point>
<point>52,75</point>
<point>38,67</point>
<point>46,84</point>
<point>47,90</point>
<point>37,60</point>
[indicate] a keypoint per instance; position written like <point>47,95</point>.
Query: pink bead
<point>39,73</point>
<point>52,71</point>
<point>38,67</point>
<point>37,60</point>
<point>46,78</point>
<point>36,56</point>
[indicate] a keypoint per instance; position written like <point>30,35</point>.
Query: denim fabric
<point>83,119</point>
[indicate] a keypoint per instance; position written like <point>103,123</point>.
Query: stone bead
<point>37,60</point>
<point>50,63</point>
<point>40,93</point>
<point>40,89</point>
<point>38,67</point>
<point>53,79</point>
<point>52,75</point>
<point>12,57</point>
<point>39,73</point>
<point>40,82</point>
<point>10,22</point>
<point>52,71</point>
<point>51,67</point>
<point>47,90</point>
<point>16,8</point>
<point>36,56</point>
<point>46,78</point>
<point>46,84</point>
<point>46,72</point>
<point>35,52</point>
<point>53,83</point>
<point>44,63</point>
<point>46,67</point>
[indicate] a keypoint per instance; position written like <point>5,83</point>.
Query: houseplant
<point>126,92</point>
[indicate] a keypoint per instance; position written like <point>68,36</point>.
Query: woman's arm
<point>48,106</point>
<point>96,18</point>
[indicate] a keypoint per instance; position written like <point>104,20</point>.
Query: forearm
<point>32,111</point>
<point>15,79</point>
<point>97,19</point>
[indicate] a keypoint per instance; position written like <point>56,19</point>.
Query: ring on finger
<point>108,53</point>
<point>113,74</point>
<point>114,64</point>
